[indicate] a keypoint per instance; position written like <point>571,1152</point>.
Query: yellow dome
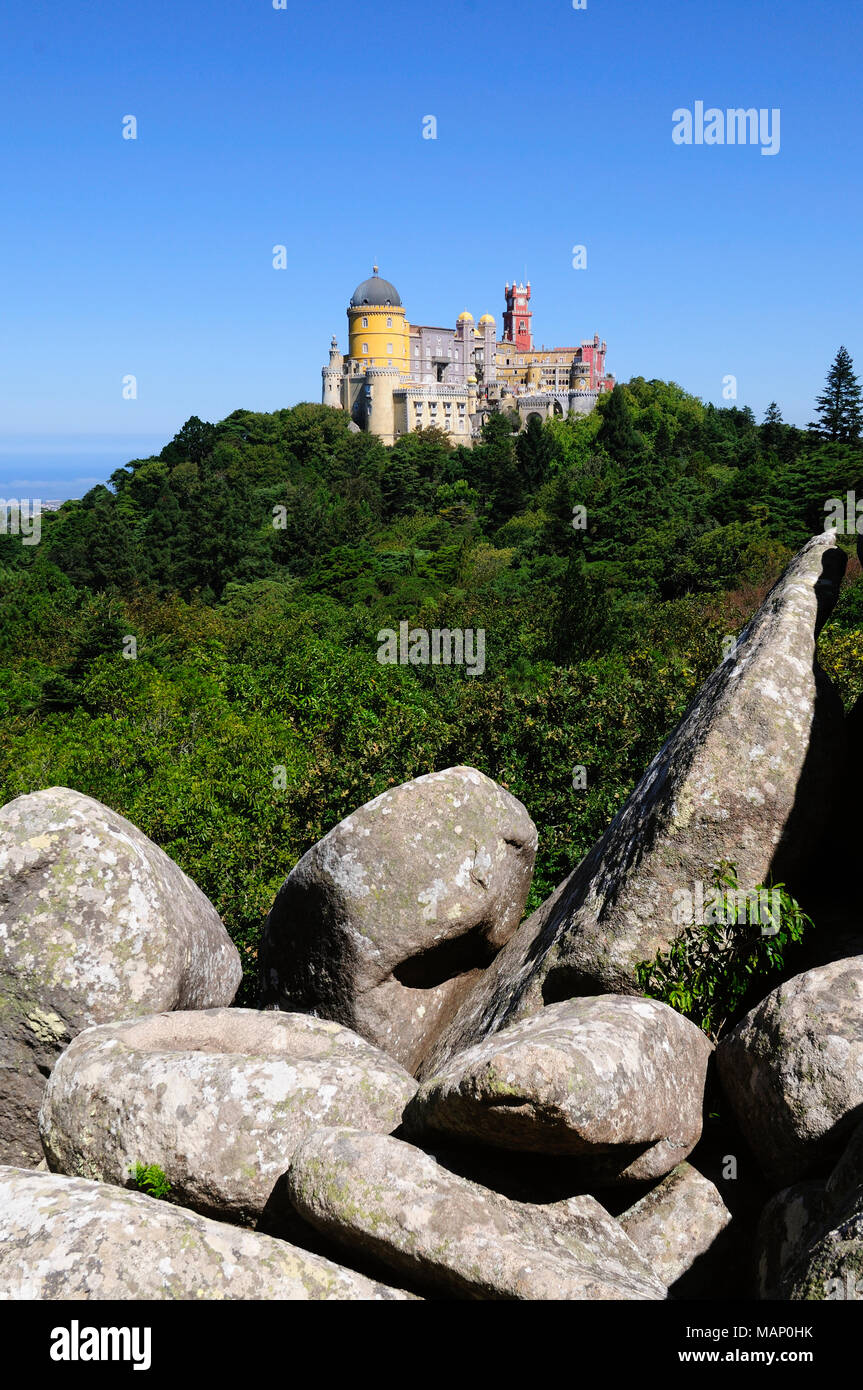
<point>487,318</point>
<point>465,316</point>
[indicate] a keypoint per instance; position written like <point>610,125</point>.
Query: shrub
<point>710,968</point>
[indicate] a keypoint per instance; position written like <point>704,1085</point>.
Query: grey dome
<point>375,291</point>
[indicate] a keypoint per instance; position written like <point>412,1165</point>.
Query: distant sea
<point>57,468</point>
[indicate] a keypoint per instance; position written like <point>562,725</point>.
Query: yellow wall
<point>378,336</point>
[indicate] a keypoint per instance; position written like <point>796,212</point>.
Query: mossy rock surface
<point>389,1203</point>
<point>96,923</point>
<point>67,1238</point>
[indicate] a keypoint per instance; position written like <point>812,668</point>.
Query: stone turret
<point>332,375</point>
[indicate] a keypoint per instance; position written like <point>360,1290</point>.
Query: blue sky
<point>303,127</point>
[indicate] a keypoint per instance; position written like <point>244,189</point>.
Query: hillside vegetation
<point>255,561</point>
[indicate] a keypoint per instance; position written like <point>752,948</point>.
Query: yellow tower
<point>378,333</point>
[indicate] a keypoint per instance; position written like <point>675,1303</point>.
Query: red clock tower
<point>516,320</point>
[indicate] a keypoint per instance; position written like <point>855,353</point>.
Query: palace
<point>398,376</point>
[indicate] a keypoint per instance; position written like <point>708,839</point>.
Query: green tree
<point>194,442</point>
<point>772,428</point>
<point>617,434</point>
<point>533,449</point>
<point>840,406</point>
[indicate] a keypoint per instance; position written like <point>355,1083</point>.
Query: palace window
<point>365,323</point>
<point>389,323</point>
<point>389,349</point>
<point>365,347</point>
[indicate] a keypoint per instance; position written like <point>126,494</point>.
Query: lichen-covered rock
<point>810,1236</point>
<point>787,1226</point>
<point>847,1176</point>
<point>218,1098</point>
<point>793,1070</point>
<point>96,923</point>
<point>677,1222</point>
<point>398,1206</point>
<point>748,777</point>
<point>616,1082</point>
<point>389,920</point>
<point>67,1238</point>
<point>832,1265</point>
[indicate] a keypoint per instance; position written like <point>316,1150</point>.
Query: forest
<point>195,643</point>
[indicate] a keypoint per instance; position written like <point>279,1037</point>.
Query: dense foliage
<point>254,563</point>
<point>710,969</point>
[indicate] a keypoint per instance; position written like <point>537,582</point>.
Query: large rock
<point>392,1203</point>
<point>387,923</point>
<point>847,1177</point>
<point>789,1223</point>
<point>616,1082</point>
<point>826,1258</point>
<point>66,1238</point>
<point>793,1070</point>
<point>677,1223</point>
<point>96,923</point>
<point>747,777</point>
<point>832,1266</point>
<point>810,1236</point>
<point>218,1099</point>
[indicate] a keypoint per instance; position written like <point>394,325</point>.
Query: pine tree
<point>840,406</point>
<point>159,544</point>
<point>582,615</point>
<point>772,428</point>
<point>400,485</point>
<point>617,434</point>
<point>534,453</point>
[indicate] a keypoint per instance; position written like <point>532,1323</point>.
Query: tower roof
<point>375,291</point>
